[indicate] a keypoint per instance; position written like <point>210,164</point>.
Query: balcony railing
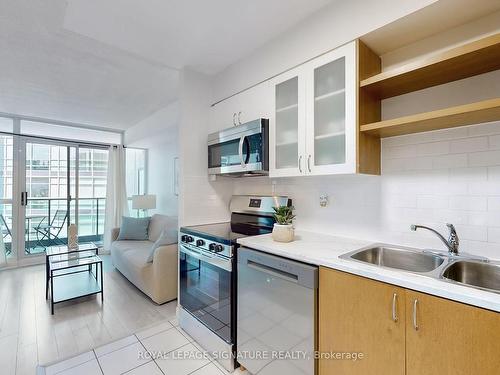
<point>47,221</point>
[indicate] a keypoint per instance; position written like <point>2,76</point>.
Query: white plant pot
<point>283,233</point>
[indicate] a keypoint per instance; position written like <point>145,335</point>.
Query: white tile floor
<point>161,349</point>
<point>31,336</point>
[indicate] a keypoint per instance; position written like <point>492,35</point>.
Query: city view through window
<point>58,184</point>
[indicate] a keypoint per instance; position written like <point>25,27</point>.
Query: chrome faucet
<point>452,243</point>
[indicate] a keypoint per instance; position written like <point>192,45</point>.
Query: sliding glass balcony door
<point>60,184</point>
<point>46,194</point>
<point>92,174</point>
<point>7,230</point>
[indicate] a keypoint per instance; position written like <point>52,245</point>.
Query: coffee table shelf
<point>70,273</point>
<point>72,286</point>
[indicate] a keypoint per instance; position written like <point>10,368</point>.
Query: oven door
<point>206,290</point>
<point>242,149</point>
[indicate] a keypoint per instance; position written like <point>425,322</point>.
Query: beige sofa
<point>158,279</point>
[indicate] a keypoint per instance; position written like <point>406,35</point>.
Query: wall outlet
<point>323,200</point>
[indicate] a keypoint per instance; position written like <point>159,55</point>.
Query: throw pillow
<point>167,237</point>
<point>133,228</point>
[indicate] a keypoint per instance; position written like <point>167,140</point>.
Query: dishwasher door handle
<point>272,271</point>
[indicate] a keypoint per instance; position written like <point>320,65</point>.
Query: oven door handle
<point>215,261</point>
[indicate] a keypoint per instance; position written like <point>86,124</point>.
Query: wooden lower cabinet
<point>433,336</point>
<point>452,338</point>
<point>356,315</point>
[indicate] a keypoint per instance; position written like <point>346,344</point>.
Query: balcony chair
<point>52,230</point>
<point>5,232</point>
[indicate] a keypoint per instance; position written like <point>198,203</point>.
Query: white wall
<point>158,134</point>
<point>332,26</point>
<point>200,199</point>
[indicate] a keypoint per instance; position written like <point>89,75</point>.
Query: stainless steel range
<point>207,273</point>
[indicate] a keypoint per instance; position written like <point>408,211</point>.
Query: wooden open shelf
<point>468,114</point>
<point>477,57</point>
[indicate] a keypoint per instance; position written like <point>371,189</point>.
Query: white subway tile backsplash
<point>406,151</point>
<point>407,164</point>
<point>433,148</point>
<point>478,218</point>
<point>451,216</point>
<point>468,174</point>
<point>493,203</point>
<point>431,201</point>
<point>494,142</point>
<point>403,200</point>
<point>473,233</point>
<point>449,161</point>
<point>490,188</point>
<point>494,235</point>
<point>494,173</point>
<point>484,129</point>
<point>484,159</point>
<point>469,145</point>
<point>469,203</point>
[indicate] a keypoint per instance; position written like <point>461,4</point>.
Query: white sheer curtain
<point>116,194</point>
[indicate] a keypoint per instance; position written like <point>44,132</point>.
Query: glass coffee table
<point>72,273</point>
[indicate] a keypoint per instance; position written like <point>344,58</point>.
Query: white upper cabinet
<point>313,128</point>
<point>249,105</point>
<point>287,125</point>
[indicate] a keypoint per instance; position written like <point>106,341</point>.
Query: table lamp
<point>144,202</point>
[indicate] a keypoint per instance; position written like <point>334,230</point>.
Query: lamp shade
<point>144,202</point>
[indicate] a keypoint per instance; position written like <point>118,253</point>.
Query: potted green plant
<point>283,228</point>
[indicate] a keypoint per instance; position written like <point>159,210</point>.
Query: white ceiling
<point>206,35</point>
<point>112,63</point>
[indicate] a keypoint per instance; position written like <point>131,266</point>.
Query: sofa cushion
<point>126,245</point>
<point>129,257</point>
<point>167,237</point>
<point>133,228</point>
<point>160,222</point>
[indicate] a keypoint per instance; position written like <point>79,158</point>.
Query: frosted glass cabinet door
<point>287,126</point>
<point>331,113</point>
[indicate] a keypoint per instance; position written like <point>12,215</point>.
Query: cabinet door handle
<point>239,117</point>
<point>309,163</point>
<point>394,307</point>
<point>415,320</point>
<point>300,163</point>
<point>234,118</point>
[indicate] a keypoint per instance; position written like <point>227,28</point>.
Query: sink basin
<point>477,274</point>
<point>401,259</point>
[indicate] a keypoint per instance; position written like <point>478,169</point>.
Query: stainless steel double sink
<point>465,270</point>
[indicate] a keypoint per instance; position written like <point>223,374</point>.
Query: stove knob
<point>184,238</point>
<point>219,248</point>
<point>189,239</point>
<point>211,247</point>
<point>200,242</point>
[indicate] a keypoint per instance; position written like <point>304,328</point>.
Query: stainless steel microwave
<point>242,150</point>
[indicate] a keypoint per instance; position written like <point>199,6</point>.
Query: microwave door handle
<point>240,151</point>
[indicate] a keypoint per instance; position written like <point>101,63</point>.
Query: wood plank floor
<point>30,335</point>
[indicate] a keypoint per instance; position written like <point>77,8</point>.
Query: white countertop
<point>324,250</point>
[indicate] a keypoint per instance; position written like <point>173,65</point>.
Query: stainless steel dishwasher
<point>276,314</point>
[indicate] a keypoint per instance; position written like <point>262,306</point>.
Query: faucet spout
<point>452,243</point>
